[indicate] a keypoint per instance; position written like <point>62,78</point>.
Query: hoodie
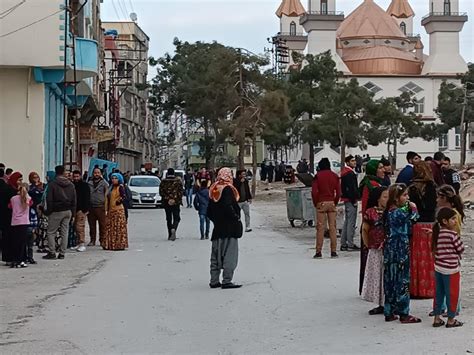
<point>349,185</point>
<point>61,196</point>
<point>201,201</point>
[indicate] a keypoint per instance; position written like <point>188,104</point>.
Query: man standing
<point>171,192</point>
<point>436,168</point>
<point>406,174</point>
<point>270,172</point>
<point>98,187</point>
<point>451,176</point>
<point>350,196</point>
<point>242,185</point>
<point>60,208</point>
<point>83,205</point>
<point>188,187</point>
<point>387,167</point>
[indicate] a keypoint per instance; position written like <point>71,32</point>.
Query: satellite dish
<point>133,17</point>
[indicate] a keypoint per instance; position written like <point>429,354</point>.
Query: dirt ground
<point>272,197</point>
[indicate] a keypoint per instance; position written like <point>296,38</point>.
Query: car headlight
<point>136,194</point>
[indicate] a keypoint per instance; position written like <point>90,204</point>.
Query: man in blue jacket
<point>201,203</point>
<point>406,174</point>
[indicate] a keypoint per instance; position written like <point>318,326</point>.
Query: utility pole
<point>464,124</point>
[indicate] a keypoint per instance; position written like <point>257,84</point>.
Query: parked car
<point>178,173</point>
<point>145,190</point>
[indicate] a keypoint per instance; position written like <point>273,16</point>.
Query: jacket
<point>98,192</point>
<point>61,196</point>
<point>6,193</point>
<point>406,175</point>
<point>239,185</point>
<point>225,215</point>
<point>326,187</point>
<point>171,188</point>
<point>349,185</point>
<point>451,177</point>
<point>201,201</point>
<point>83,196</point>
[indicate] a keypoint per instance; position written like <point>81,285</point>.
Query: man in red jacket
<point>326,191</point>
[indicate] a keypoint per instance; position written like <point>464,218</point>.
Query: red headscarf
<point>224,179</point>
<point>13,179</point>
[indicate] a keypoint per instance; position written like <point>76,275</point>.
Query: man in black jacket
<point>451,176</point>
<point>242,185</point>
<point>83,198</point>
<point>350,196</point>
<point>60,208</point>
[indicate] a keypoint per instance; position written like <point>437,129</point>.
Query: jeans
<point>326,213</point>
<point>348,231</point>
<point>58,221</point>
<point>204,224</point>
<point>172,217</point>
<point>189,196</point>
<point>447,292</point>
<point>245,206</point>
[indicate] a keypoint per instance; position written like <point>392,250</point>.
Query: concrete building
<point>378,47</point>
<point>135,140</point>
<point>35,95</point>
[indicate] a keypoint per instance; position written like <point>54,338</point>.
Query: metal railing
<point>328,13</point>
<point>298,34</point>
<point>442,14</point>
<point>413,35</point>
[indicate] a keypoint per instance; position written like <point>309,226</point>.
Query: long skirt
<point>372,290</point>
<point>116,237</point>
<point>422,280</point>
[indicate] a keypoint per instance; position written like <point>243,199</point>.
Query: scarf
<point>224,179</point>
<point>370,175</point>
<point>13,180</point>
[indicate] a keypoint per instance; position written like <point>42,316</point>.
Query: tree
<point>456,108</point>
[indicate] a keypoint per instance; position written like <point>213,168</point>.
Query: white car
<point>145,190</point>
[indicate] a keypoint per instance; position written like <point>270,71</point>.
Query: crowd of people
<point>52,215</point>
<point>410,233</point>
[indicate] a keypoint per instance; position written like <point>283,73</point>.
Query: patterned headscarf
<point>224,179</point>
<point>13,179</point>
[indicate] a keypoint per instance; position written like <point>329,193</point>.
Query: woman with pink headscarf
<point>224,212</point>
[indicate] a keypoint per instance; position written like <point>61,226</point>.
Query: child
<point>447,197</point>
<point>399,217</point>
<point>201,202</point>
<point>447,249</point>
<point>20,205</point>
<point>373,234</point>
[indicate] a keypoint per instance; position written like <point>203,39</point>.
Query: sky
<point>241,23</point>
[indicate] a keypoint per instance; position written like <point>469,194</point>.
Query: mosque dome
<point>290,8</point>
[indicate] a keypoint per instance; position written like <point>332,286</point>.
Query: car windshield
<point>144,182</point>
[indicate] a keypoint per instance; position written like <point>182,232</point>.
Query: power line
<point>11,9</point>
<point>131,5</point>
<point>115,9</point>
<point>31,24</point>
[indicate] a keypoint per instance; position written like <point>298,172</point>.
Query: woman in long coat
<point>116,237</point>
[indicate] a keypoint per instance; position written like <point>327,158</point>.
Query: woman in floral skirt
<point>116,237</point>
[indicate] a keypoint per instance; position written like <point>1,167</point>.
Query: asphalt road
<point>154,298</point>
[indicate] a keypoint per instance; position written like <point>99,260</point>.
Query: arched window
<point>324,7</point>
<point>403,27</point>
<point>447,7</point>
<point>293,28</point>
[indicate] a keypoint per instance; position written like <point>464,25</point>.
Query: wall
<point>21,137</point>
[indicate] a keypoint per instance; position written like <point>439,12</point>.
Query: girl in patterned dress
<point>373,234</point>
<point>399,217</point>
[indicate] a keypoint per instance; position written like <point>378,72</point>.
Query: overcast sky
<point>240,23</point>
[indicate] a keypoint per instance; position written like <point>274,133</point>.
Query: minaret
<point>291,33</point>
<point>443,24</point>
<point>403,14</point>
<point>321,23</point>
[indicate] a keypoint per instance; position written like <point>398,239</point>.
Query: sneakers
<point>334,254</point>
<point>230,285</point>
<point>23,264</point>
<point>354,247</point>
<point>91,244</point>
<point>248,230</point>
<point>81,248</point>
<point>318,255</point>
<point>344,248</point>
<point>216,285</point>
<point>60,256</point>
<point>173,234</point>
<point>50,256</point>
<point>207,236</point>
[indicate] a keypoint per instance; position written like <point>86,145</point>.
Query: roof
<point>369,21</point>
<point>400,9</point>
<point>290,8</point>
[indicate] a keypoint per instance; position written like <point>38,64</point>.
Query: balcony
<point>87,60</point>
<point>444,17</point>
<point>292,36</point>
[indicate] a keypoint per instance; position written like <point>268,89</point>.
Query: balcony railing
<point>298,34</point>
<point>442,14</point>
<point>413,35</point>
<point>328,13</point>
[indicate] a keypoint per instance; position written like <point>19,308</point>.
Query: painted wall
<point>22,107</point>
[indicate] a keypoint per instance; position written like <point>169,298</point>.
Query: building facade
<point>378,47</point>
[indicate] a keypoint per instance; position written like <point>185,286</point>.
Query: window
<point>144,182</point>
<point>403,27</point>
<point>457,137</point>
<point>443,141</point>
<point>324,7</point>
<point>447,7</point>
<point>420,106</point>
<point>248,151</point>
<point>411,88</point>
<point>293,28</point>
<point>370,86</point>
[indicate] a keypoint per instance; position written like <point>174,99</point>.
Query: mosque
<point>378,47</point>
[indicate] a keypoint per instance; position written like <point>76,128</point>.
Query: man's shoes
<point>318,255</point>
<point>50,256</point>
<point>344,248</point>
<point>81,248</point>
<point>354,247</point>
<point>248,230</point>
<point>173,234</point>
<point>334,254</point>
<point>217,285</point>
<point>60,256</point>
<point>230,285</point>
<point>31,261</point>
<point>91,244</point>
<point>202,238</point>
<point>207,236</point>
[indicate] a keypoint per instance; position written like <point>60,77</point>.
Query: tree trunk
<point>394,158</point>
<point>254,161</point>
<point>241,154</point>
<point>464,131</point>
<point>343,148</point>
<point>311,158</point>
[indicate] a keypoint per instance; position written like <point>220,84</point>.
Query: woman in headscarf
<point>374,174</point>
<point>422,193</point>
<point>116,237</point>
<point>7,192</point>
<point>224,212</point>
